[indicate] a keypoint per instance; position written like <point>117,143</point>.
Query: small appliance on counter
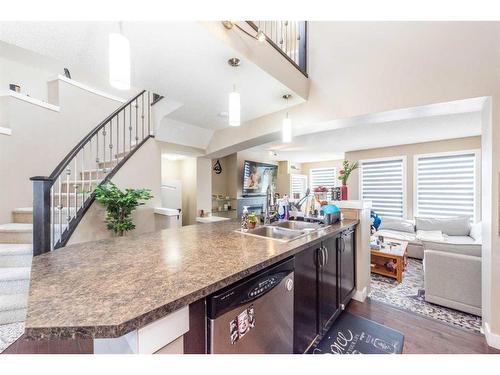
<point>331,214</point>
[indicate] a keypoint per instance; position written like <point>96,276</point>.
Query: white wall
<point>132,175</point>
<point>33,80</point>
<point>41,138</point>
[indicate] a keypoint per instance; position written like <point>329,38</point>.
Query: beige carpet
<point>10,333</point>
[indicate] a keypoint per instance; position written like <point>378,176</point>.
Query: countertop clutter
<point>107,288</point>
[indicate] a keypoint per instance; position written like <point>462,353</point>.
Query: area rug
<point>10,333</point>
<point>351,334</point>
<point>410,295</point>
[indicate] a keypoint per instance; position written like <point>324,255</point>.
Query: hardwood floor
<point>422,335</point>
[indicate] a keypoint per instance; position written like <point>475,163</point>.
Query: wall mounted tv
<point>257,177</point>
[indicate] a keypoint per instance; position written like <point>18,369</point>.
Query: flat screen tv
<point>257,177</point>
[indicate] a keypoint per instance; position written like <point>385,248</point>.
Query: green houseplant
<point>344,173</point>
<point>119,205</point>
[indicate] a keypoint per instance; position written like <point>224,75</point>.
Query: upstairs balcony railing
<point>288,37</point>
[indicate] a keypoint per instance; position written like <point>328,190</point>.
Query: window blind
<point>298,186</point>
<point>326,177</point>
<point>445,185</point>
<point>382,182</point>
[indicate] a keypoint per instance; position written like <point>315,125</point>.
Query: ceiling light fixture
<point>286,131</point>
<point>234,99</point>
<point>119,60</point>
<point>260,36</point>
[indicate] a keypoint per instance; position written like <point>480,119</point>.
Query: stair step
<point>23,215</point>
<point>15,255</point>
<point>87,184</point>
<point>14,280</point>
<point>16,233</point>
<point>94,174</point>
<point>73,199</point>
<point>13,308</point>
<point>108,164</point>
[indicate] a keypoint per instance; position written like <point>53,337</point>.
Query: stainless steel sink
<point>275,233</point>
<point>298,225</point>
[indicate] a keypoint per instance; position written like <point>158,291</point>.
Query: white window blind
<point>383,182</point>
<point>298,186</point>
<point>326,177</point>
<point>445,185</point>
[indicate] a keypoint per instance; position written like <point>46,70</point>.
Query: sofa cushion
<point>397,235</point>
<point>472,249</point>
<point>476,232</point>
<point>400,225</point>
<point>452,226</point>
<point>430,235</point>
<point>460,240</point>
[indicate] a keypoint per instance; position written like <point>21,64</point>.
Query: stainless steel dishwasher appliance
<point>254,315</point>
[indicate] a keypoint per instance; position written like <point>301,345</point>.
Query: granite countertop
<point>110,287</point>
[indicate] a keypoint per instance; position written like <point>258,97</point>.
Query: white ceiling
<point>412,125</point>
<point>180,60</point>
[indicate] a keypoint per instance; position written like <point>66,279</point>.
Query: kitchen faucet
<point>270,203</point>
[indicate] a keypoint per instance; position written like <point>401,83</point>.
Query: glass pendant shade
<point>119,61</point>
<point>234,109</point>
<point>286,131</point>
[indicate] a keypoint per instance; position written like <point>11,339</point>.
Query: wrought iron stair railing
<point>61,199</point>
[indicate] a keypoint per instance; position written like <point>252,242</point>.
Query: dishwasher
<point>255,315</point>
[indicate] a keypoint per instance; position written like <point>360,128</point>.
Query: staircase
<point>16,252</point>
<point>61,199</point>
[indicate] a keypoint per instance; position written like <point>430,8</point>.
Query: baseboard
<point>360,295</point>
<point>492,339</point>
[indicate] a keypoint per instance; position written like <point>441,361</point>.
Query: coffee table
<point>395,252</point>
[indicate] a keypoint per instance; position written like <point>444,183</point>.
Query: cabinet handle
<point>320,257</point>
<point>325,249</point>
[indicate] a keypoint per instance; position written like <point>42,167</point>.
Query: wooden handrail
<point>64,163</point>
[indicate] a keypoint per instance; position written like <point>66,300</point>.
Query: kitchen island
<point>111,289</point>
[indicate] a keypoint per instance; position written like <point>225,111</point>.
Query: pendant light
<point>234,99</point>
<point>119,60</point>
<point>286,130</point>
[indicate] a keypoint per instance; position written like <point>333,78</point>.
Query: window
<point>445,184</point>
<point>326,177</point>
<point>383,182</point>
<point>298,186</point>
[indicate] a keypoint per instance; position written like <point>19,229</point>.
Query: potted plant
<point>119,205</point>
<point>252,220</point>
<point>344,173</point>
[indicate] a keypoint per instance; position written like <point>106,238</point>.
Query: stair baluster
<point>49,232</point>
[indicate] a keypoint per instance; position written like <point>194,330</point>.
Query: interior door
<point>347,275</point>
<point>305,299</point>
<point>328,298</point>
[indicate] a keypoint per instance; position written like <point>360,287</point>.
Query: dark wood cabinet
<point>324,284</point>
<point>328,302</point>
<point>346,260</point>
<point>305,325</point>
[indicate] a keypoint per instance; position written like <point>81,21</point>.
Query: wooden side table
<point>395,253</point>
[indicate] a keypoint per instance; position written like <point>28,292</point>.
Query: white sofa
<point>452,231</point>
<point>451,250</point>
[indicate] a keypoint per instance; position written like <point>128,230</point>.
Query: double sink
<point>284,231</point>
